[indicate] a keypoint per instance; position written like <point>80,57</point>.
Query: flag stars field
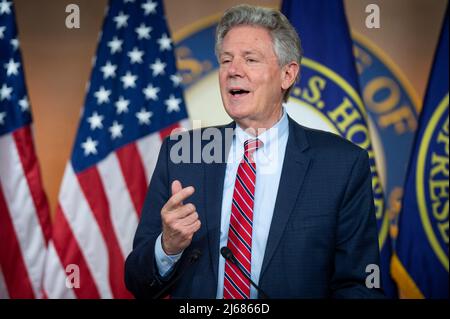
<point>122,105</point>
<point>116,130</point>
<point>158,67</point>
<point>135,55</point>
<point>121,20</point>
<point>24,104</point>
<point>164,43</point>
<point>102,95</point>
<point>129,80</point>
<point>95,121</point>
<point>143,32</point>
<point>149,7</point>
<point>2,118</point>
<point>15,44</point>
<point>144,116</point>
<point>109,70</point>
<point>176,79</point>
<point>5,92</point>
<point>5,7</point>
<point>151,92</point>
<point>115,45</point>
<point>12,67</point>
<point>173,104</point>
<point>2,32</point>
<point>90,146</point>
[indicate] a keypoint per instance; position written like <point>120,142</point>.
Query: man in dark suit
<point>293,205</point>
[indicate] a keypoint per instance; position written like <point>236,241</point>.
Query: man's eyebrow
<point>250,52</point>
<point>225,53</point>
<point>244,53</point>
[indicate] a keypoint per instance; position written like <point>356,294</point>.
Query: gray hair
<point>286,42</point>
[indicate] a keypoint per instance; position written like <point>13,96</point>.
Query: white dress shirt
<point>269,162</point>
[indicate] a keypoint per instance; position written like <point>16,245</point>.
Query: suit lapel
<point>214,179</point>
<point>295,167</point>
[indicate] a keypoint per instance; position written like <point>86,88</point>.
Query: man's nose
<point>236,68</point>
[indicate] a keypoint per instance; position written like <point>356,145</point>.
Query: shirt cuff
<point>164,262</point>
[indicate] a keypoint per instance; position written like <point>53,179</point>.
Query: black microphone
<point>228,255</point>
<point>191,259</point>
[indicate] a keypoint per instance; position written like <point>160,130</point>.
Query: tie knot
<point>250,146</point>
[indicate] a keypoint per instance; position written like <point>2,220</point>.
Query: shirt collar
<point>268,137</point>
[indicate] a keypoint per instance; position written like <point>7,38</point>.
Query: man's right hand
<point>179,222</point>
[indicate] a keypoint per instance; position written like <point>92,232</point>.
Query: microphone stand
<point>192,258</point>
<point>228,255</point>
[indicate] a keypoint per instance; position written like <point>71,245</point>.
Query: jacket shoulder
<point>330,143</point>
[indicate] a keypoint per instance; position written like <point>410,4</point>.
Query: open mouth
<point>238,92</point>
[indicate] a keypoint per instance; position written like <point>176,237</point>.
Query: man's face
<point>251,81</point>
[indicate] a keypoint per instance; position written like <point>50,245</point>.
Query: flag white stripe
<point>123,215</point>
<point>22,211</point>
<point>85,229</point>
<point>3,289</point>
<point>186,123</point>
<point>148,148</point>
<point>55,278</point>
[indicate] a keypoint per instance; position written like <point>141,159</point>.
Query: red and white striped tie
<point>236,285</point>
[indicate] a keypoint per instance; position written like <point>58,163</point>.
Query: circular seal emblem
<point>341,112</point>
<point>432,184</point>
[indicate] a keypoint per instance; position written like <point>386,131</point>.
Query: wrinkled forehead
<point>247,38</point>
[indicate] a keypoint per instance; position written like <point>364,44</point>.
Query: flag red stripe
<point>92,187</point>
<point>167,130</point>
<point>25,147</point>
<point>11,259</point>
<point>134,174</point>
<point>69,252</point>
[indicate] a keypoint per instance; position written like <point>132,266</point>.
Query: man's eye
<point>225,61</point>
<point>251,60</point>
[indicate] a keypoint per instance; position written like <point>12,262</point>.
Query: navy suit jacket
<point>322,236</point>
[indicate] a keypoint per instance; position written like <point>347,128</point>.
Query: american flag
<point>134,100</point>
<point>24,214</point>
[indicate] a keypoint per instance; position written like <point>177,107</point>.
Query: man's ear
<point>289,74</point>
